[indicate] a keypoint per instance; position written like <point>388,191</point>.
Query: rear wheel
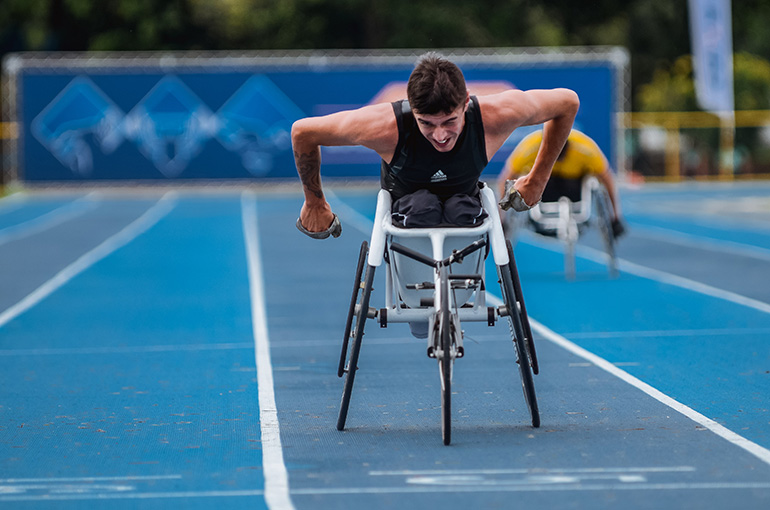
<point>517,334</point>
<point>604,222</point>
<point>529,339</point>
<point>361,314</point>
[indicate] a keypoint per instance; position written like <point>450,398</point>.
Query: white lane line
<point>668,333</point>
<point>651,274</point>
<point>49,219</point>
<point>761,453</point>
<point>113,243</point>
<point>11,202</point>
<point>537,487</point>
<point>535,471</point>
<point>413,489</point>
<point>273,466</point>
<point>352,217</point>
<point>700,242</point>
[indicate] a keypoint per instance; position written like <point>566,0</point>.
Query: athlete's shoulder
<point>585,153</point>
<point>534,137</point>
<point>585,142</point>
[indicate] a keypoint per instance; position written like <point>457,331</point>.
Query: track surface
<point>180,348</point>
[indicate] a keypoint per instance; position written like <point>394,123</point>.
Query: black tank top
<point>417,165</point>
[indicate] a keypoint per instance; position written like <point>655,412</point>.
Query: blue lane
<point>594,426</point>
<point>736,213</point>
<point>726,247</point>
<point>735,272</point>
<point>27,262</point>
<point>12,213</point>
<point>716,363</point>
<point>734,232</point>
<point>142,366</point>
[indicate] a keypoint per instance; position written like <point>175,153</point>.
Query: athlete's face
<point>442,130</point>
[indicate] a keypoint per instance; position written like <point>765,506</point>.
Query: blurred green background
<point>655,33</point>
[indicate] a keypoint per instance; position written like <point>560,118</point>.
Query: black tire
<point>517,333</point>
<point>522,309</point>
<point>604,222</point>
<point>352,365</point>
<point>352,309</point>
<point>445,360</point>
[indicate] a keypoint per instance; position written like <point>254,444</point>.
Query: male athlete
<point>435,144</point>
<point>580,157</point>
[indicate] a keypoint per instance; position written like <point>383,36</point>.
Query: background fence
<point>674,146</point>
<point>203,117</point>
<point>668,146</point>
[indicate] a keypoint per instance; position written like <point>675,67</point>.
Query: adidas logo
<point>438,177</point>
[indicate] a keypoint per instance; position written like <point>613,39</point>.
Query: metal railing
<point>673,146</point>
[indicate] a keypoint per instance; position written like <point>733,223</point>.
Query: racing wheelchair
<point>565,212</point>
<point>437,275</point>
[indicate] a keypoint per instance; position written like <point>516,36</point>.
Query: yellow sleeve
<point>523,156</point>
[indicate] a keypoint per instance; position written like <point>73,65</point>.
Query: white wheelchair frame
<point>566,219</point>
<point>422,286</point>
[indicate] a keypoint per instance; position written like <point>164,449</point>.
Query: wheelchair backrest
<point>547,212</point>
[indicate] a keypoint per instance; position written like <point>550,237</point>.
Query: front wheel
<point>357,286</point>
<point>445,359</point>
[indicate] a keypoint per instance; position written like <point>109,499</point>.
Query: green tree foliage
<point>96,25</point>
<point>673,89</point>
<point>752,82</point>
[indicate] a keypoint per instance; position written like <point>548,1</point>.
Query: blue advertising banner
<point>227,121</point>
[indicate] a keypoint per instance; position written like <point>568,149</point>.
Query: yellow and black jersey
<point>582,157</point>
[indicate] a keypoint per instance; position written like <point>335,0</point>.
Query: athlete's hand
<point>520,195</point>
<point>318,222</point>
<point>618,228</point>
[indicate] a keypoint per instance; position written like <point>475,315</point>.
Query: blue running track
<point>179,349</point>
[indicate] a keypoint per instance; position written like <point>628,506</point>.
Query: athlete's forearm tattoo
<point>309,169</point>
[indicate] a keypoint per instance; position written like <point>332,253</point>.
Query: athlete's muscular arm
<point>371,126</point>
<point>555,109</point>
<point>308,165</point>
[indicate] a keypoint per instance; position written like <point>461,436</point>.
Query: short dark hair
<point>435,86</point>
